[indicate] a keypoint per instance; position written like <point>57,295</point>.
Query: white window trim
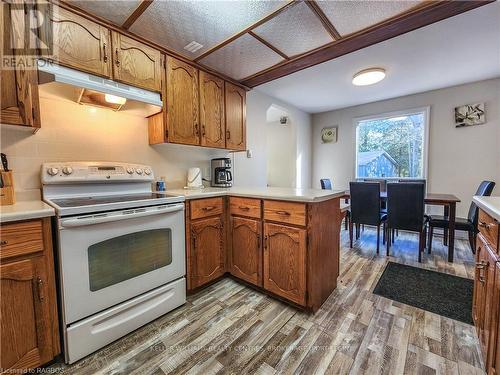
<point>426,110</point>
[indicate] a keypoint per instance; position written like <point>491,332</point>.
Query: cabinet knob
<point>3,242</point>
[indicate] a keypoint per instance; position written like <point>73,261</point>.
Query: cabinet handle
<point>203,130</point>
<point>39,286</point>
<point>194,242</point>
<point>208,208</point>
<point>286,213</point>
<point>266,240</point>
<point>244,208</point>
<point>117,61</point>
<point>258,241</point>
<point>105,54</point>
<point>196,131</point>
<point>485,225</point>
<point>3,242</point>
<point>228,134</point>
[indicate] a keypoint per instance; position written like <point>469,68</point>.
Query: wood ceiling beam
<point>420,16</point>
<point>290,3</point>
<point>136,13</point>
<point>313,5</point>
<point>269,45</point>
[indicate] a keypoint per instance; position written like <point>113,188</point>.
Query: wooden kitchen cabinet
<point>136,64</point>
<point>285,261</point>
<point>19,87</point>
<point>182,103</point>
<point>212,113</point>
<point>246,249</point>
<point>493,362</point>
<point>235,100</point>
<point>28,321</point>
<point>206,251</point>
<point>79,43</point>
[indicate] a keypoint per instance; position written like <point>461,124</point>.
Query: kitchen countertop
<point>284,194</point>
<point>25,210</point>
<point>491,205</point>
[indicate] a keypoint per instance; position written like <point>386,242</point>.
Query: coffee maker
<point>221,172</point>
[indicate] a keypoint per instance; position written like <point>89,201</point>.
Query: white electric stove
<point>121,250</point>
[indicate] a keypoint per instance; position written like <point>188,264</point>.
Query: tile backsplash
<point>73,132</point>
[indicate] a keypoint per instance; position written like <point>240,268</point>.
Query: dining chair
<point>468,224</point>
<point>365,208</point>
<point>417,180</point>
<point>405,211</point>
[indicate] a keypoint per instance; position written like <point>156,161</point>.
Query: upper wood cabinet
<point>285,278</point>
<point>28,319</point>
<point>235,117</point>
<point>136,64</point>
<point>80,43</point>
<point>207,254</point>
<point>212,113</point>
<point>182,103</point>
<point>19,87</point>
<point>246,252</point>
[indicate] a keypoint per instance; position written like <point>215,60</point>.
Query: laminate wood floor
<point>229,328</point>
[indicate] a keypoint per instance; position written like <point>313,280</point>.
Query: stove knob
<point>67,170</point>
<point>130,170</point>
<point>53,171</point>
<point>138,171</point>
<point>147,171</point>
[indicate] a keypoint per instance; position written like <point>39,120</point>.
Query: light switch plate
<point>249,154</point>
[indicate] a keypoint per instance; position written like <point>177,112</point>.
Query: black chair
<point>326,184</point>
<point>421,181</point>
<point>468,224</point>
<point>405,211</point>
<point>365,208</point>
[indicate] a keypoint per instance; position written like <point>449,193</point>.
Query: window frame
<point>381,116</point>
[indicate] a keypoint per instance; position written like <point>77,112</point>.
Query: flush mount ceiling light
<point>368,77</point>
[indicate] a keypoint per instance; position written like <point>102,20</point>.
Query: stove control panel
<point>97,172</point>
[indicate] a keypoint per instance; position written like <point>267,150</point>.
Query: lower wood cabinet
<point>28,320</point>
<point>246,249</point>
<point>206,257</point>
<point>486,300</point>
<point>285,261</point>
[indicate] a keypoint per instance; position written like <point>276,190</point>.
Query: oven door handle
<point>122,215</point>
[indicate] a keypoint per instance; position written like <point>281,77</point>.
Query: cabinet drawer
<point>201,208</point>
<point>21,238</point>
<point>489,228</point>
<point>245,207</point>
<point>285,212</point>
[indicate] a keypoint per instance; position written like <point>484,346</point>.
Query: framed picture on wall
<point>469,115</point>
<point>329,135</point>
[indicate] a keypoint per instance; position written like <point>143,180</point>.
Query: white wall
<point>281,155</point>
<point>253,171</point>
<point>72,132</point>
<point>459,158</point>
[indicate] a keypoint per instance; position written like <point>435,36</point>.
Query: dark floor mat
<point>437,292</point>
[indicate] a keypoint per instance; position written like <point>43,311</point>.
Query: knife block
<point>7,195</point>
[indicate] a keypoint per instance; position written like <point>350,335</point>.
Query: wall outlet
<point>249,154</point>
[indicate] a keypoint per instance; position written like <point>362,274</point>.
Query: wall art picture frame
<point>470,115</point>
<point>329,135</point>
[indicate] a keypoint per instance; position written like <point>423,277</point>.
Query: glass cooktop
<point>91,201</point>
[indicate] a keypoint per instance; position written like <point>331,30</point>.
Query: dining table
<point>449,203</point>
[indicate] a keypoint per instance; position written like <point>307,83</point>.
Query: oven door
<point>108,258</point>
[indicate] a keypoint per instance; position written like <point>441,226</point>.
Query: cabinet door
<point>80,43</point>
<point>182,103</point>
<point>25,318</point>
<point>212,114</point>
<point>207,251</point>
<point>135,63</point>
<point>19,87</point>
<point>493,364</point>
<point>285,262</point>
<point>235,117</point>
<point>246,253</point>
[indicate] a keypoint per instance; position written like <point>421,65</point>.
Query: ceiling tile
<point>352,16</point>
<point>242,58</point>
<point>116,11</point>
<point>294,31</point>
<point>174,24</point>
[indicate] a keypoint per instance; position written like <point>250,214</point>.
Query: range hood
<point>93,89</point>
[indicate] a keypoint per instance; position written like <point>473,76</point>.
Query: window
<point>392,145</point>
